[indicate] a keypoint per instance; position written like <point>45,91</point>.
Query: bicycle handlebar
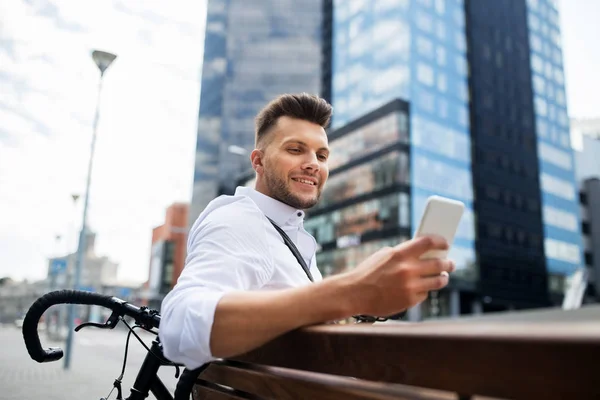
<point>118,306</point>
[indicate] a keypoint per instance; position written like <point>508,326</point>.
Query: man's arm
<point>246,320</point>
<point>390,281</point>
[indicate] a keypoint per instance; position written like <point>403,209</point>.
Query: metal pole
<point>82,234</point>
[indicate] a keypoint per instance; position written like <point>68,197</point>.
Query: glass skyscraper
<point>254,51</point>
<point>560,199</point>
<point>487,125</point>
<point>415,51</point>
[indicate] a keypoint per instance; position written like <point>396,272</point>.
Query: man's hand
<point>394,278</point>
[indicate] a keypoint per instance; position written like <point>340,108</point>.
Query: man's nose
<point>311,162</point>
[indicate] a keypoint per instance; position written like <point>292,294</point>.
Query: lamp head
<point>103,59</point>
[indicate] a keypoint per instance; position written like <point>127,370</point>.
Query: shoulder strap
<point>294,249</point>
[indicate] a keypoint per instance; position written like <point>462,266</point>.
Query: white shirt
<point>232,246</point>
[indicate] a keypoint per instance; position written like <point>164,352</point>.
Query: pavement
<point>96,361</point>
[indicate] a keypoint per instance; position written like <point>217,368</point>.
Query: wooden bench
<point>540,355</point>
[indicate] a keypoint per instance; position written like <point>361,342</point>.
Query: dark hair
<point>301,106</point>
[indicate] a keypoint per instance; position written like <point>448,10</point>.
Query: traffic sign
<point>58,266</point>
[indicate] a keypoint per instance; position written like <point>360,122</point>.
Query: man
<point>242,286</point>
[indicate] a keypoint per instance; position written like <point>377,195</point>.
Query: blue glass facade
<point>560,200</point>
<point>414,50</point>
<point>253,53</point>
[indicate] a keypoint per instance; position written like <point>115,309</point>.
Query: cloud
<point>51,11</point>
<point>144,156</point>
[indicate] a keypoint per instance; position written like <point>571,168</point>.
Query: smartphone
<point>440,217</point>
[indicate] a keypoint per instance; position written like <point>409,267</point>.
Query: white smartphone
<point>441,217</point>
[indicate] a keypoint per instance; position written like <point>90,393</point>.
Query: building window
<point>555,156</point>
<point>536,42</point>
<point>537,64</point>
<point>585,228</point>
<point>460,41</point>
<point>440,30</point>
<point>439,177</point>
<point>461,65</point>
<point>440,6</point>
<point>441,56</point>
<point>459,17</point>
<point>558,187</point>
<point>589,258</point>
<point>369,138</point>
<point>358,219</point>
<point>494,230</point>
<point>381,173</point>
<point>425,74</point>
<point>541,107</point>
<point>440,139</point>
<point>426,101</point>
<point>424,46</point>
<point>560,218</point>
<point>562,251</point>
<point>343,259</point>
<point>542,128</point>
<point>424,22</point>
<point>442,85</point>
<point>404,210</point>
<point>539,85</point>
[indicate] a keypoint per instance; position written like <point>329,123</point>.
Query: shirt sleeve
<point>227,252</point>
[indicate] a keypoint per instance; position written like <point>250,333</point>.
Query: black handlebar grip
<point>32,318</point>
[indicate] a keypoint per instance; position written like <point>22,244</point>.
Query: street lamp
<point>103,60</point>
<point>241,152</point>
<point>237,150</point>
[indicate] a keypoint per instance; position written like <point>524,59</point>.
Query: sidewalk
<point>97,360</point>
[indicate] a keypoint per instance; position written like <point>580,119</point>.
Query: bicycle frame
<point>147,379</point>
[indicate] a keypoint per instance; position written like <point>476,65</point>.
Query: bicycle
<point>147,380</point>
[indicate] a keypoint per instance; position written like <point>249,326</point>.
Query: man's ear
<point>256,158</point>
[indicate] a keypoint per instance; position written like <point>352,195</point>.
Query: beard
<point>280,190</point>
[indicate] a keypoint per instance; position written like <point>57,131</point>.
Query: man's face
<point>295,163</point>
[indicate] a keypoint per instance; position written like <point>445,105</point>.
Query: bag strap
<point>294,249</point>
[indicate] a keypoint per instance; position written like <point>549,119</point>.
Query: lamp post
<point>240,152</point>
<point>103,60</point>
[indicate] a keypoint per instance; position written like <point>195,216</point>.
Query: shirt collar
<point>278,211</point>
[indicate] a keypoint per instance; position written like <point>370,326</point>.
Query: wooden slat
<point>285,384</point>
<point>494,358</point>
<point>210,390</point>
<point>202,393</point>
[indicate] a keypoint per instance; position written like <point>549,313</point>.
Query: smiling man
<point>243,286</point>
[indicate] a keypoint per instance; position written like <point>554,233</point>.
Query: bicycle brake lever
<point>110,323</point>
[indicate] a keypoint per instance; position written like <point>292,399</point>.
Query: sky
<point>146,136</point>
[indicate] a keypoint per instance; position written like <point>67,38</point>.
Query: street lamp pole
<point>103,60</point>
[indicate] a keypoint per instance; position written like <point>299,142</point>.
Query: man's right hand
<point>394,278</point>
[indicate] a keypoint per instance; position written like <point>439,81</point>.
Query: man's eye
<point>322,157</point>
<point>293,150</point>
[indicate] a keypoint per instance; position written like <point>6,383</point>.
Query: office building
<point>168,252</point>
<point>97,271</point>
<point>487,124</point>
<point>588,181</point>
<point>589,195</point>
<point>254,51</point>
<point>582,128</point>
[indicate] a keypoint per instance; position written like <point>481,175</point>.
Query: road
<point>96,361</point>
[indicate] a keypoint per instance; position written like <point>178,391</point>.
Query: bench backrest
<point>506,358</point>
